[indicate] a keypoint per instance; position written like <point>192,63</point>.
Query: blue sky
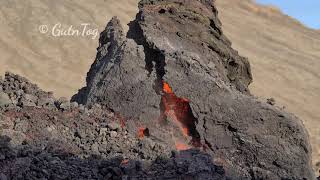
<point>306,11</point>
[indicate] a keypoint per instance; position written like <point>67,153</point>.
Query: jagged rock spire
<point>181,43</point>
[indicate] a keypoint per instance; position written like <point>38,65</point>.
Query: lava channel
<point>179,110</point>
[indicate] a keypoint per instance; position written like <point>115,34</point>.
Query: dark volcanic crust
<point>181,42</point>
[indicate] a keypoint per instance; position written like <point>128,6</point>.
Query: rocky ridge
<point>176,60</point>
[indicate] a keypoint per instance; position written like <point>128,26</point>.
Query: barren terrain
<point>285,55</point>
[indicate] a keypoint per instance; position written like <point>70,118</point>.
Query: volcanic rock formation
<point>46,138</point>
<point>176,74</point>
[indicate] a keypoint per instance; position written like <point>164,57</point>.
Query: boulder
<point>4,99</point>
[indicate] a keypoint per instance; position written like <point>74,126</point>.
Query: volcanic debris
<point>180,44</point>
<point>48,138</point>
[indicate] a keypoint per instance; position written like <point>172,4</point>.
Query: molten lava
<point>179,110</point>
<point>167,88</point>
<point>142,132</point>
<point>181,146</point>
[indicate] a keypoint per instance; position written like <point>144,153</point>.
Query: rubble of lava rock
<point>167,100</point>
<point>46,138</point>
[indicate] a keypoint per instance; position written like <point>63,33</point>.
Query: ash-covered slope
<point>176,70</point>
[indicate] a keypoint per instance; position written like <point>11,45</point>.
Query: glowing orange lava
<point>142,132</point>
<point>166,88</point>
<point>179,110</point>
<point>181,146</point>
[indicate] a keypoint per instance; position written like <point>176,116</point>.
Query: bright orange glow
<point>176,108</point>
<point>179,111</point>
<point>181,146</point>
<point>185,131</point>
<point>167,88</point>
<point>141,133</point>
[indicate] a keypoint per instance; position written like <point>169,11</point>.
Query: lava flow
<point>180,111</point>
<point>142,132</point>
<point>181,146</point>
